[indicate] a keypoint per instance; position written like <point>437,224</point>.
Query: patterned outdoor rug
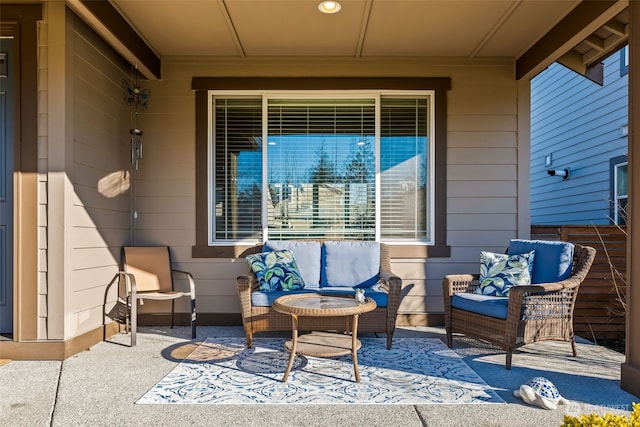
<point>414,371</point>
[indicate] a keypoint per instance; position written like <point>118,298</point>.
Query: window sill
<point>397,251</point>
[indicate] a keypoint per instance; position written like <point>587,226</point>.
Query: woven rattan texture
<point>535,313</point>
<point>325,308</point>
<point>262,319</point>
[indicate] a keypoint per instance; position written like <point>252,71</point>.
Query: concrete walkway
<point>98,387</point>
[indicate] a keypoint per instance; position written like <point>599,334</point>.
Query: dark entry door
<point>6,186</point>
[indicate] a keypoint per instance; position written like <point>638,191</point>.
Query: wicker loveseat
<point>537,312</point>
<point>313,257</point>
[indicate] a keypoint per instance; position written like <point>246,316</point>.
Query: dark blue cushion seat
<point>379,297</point>
<point>266,298</point>
<point>481,304</point>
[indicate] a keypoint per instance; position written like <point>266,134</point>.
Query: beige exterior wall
<point>484,207</point>
<point>84,174</point>
<point>43,129</point>
<point>83,131</point>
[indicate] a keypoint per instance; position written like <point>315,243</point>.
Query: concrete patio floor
<point>99,387</point>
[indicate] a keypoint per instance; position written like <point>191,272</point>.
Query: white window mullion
<point>265,171</point>
<point>431,167</point>
<point>378,205</point>
<point>211,171</point>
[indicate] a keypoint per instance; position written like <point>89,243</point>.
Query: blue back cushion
<point>350,263</point>
<point>307,255</point>
<point>553,260</point>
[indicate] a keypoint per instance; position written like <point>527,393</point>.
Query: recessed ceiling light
<point>329,7</point>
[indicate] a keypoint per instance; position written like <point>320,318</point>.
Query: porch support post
<point>630,369</point>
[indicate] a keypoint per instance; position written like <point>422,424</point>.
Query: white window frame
<point>430,200</point>
<point>624,60</point>
<point>616,196</point>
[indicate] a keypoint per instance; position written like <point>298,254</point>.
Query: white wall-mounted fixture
<point>564,173</point>
<point>624,130</point>
<point>548,160</point>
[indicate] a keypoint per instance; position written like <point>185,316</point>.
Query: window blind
<point>403,168</point>
<point>321,168</point>
<point>319,155</point>
<point>237,168</point>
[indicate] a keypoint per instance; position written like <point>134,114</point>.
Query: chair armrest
<point>245,284</point>
<point>542,288</point>
<point>129,281</point>
<point>460,283</point>
<point>390,283</point>
<point>192,283</point>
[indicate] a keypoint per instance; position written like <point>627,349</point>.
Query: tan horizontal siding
<point>98,165</point>
<point>487,139</point>
<point>482,173</point>
<point>487,156</point>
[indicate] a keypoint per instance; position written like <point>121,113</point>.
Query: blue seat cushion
<point>553,260</point>
<point>481,304</point>
<point>349,264</point>
<point>381,298</point>
<point>307,255</point>
<point>266,298</point>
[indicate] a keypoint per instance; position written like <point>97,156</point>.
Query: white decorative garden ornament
<point>541,392</point>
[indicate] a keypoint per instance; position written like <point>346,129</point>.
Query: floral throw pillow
<point>499,272</point>
<point>276,271</point>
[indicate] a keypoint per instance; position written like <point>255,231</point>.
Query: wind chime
<point>136,97</point>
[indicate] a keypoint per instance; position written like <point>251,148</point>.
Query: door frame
<point>21,22</point>
<point>7,47</point>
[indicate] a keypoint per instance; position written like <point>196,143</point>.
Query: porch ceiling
<point>363,28</point>
<point>382,28</point>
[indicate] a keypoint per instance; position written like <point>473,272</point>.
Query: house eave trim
<point>581,22</point>
<point>115,30</point>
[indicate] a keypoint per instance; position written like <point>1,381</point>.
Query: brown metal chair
<point>147,274</point>
<point>534,313</point>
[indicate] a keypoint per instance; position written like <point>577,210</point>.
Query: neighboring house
<point>451,76</point>
<point>582,127</point>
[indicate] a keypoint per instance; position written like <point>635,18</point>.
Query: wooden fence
<point>599,312</point>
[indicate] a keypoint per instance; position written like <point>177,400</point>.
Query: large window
<point>321,157</point>
<point>320,165</point>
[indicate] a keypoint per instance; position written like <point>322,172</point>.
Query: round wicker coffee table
<point>323,344</point>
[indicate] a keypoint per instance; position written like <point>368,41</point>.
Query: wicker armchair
<point>534,313</point>
<point>382,319</point>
